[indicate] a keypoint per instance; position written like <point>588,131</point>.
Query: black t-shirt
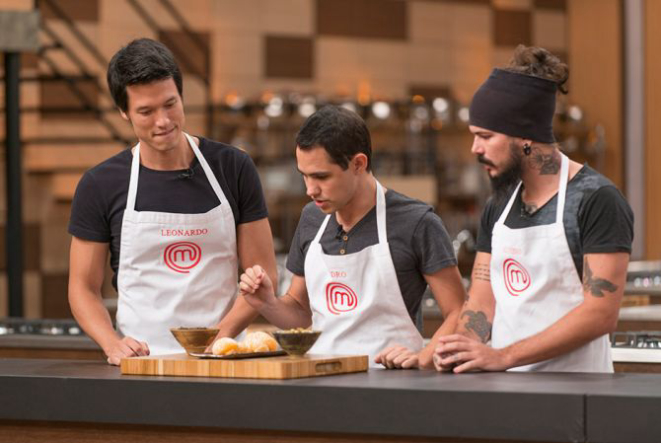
<point>418,241</point>
<point>597,217</point>
<point>98,205</point>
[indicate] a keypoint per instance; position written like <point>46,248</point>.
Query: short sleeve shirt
<point>597,217</point>
<point>100,199</point>
<point>418,241</point>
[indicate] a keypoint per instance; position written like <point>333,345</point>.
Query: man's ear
<point>124,116</point>
<point>359,162</point>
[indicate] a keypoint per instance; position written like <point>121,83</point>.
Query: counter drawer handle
<point>331,366</point>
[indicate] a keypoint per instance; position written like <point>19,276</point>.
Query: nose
<point>477,147</point>
<point>162,118</point>
<point>311,188</point>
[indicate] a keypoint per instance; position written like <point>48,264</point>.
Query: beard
<point>504,183</point>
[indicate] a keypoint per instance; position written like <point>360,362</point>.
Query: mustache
<point>483,160</point>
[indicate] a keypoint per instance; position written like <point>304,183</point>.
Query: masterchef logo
<point>517,278</point>
<point>182,256</point>
<point>340,298</point>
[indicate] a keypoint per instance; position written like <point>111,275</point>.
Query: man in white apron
<point>179,214</point>
<point>361,257</point>
<point>550,221</point>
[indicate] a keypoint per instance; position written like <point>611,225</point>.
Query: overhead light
<point>307,107</point>
<point>463,114</point>
<point>440,105</point>
<point>350,106</point>
<point>421,112</point>
<point>274,107</point>
<point>575,113</point>
<point>234,101</point>
<point>381,110</point>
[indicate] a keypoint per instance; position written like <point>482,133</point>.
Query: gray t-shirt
<point>419,243</point>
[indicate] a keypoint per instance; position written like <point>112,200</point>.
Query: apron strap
<point>135,171</point>
<point>320,232</point>
<point>133,180</point>
<point>562,190</point>
<point>381,213</point>
<point>207,171</point>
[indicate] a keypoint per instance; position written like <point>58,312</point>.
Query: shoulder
<point>108,173</point>
<point>311,215</point>
<point>214,151</point>
<point>594,189</point>
<point>401,206</point>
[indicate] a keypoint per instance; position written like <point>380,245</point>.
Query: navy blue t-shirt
<point>98,205</point>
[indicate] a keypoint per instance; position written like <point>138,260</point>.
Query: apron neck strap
<point>135,171</point>
<point>380,217</point>
<point>562,190</point>
<point>381,212</point>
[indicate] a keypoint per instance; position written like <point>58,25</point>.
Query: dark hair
<point>539,62</point>
<point>140,62</point>
<point>341,132</point>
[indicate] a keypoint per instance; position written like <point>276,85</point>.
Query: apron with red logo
<point>175,270</point>
<point>535,283</point>
<point>355,298</point>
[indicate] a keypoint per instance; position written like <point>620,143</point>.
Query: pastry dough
<point>225,346</point>
<point>258,341</point>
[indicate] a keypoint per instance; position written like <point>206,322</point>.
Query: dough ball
<point>225,346</point>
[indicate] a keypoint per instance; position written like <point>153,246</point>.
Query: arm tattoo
<point>478,323</point>
<point>547,164</point>
<point>595,285</point>
<point>481,271</point>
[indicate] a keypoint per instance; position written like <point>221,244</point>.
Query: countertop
<point>511,406</point>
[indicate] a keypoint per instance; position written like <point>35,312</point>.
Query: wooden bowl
<point>194,340</point>
<point>296,343</point>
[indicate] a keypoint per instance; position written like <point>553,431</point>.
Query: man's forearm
<point>93,317</point>
<point>473,322</point>
<point>577,328</point>
<point>448,327</point>
<point>285,312</point>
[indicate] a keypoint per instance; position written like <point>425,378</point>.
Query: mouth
<point>319,203</point>
<point>165,134</point>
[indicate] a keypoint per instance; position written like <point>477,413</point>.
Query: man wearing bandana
<point>554,240</point>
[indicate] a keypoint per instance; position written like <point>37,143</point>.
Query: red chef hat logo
<point>340,298</point>
<point>182,256</point>
<point>517,278</point>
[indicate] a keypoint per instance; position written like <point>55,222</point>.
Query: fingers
<point>397,357</point>
<point>127,347</point>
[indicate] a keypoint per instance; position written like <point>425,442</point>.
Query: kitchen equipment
<point>194,340</point>
<point>643,277</point>
<point>638,351</point>
<point>296,343</point>
<point>284,367</point>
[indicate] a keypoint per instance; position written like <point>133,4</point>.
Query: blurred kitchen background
<point>255,69</point>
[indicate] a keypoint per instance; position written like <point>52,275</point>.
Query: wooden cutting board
<point>281,367</point>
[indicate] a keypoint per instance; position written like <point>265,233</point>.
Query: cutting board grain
<point>282,367</point>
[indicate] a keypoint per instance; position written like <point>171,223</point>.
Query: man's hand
<point>397,357</point>
<point>256,287</point>
<point>126,347</point>
<point>466,354</point>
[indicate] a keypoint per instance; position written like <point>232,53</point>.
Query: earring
<point>527,149</point>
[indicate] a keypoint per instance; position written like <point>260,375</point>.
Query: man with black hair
<point>550,221</point>
<point>179,214</point>
<point>361,256</point>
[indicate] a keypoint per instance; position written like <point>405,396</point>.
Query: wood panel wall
<point>653,119</point>
<point>596,74</point>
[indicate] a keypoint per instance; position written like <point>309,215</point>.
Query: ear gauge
<point>527,149</point>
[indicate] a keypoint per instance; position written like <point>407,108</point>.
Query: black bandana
<point>517,105</point>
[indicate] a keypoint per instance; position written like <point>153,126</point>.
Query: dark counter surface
<point>508,406</point>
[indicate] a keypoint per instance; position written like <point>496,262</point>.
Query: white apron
<point>535,283</point>
<point>355,298</point>
<point>174,269</point>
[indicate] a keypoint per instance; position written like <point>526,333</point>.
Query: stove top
<point>21,326</point>
<point>636,347</point>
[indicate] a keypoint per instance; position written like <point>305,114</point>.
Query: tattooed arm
<point>603,286</point>
<point>477,314</point>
